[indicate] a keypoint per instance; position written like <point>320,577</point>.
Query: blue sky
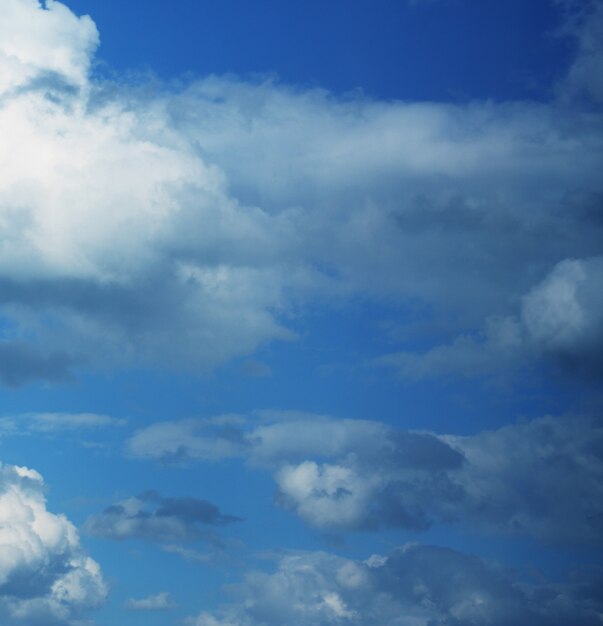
<point>301,317</point>
<point>388,49</point>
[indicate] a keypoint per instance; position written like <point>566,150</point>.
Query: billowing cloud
<point>181,228</point>
<point>541,478</point>
<point>43,41</point>
<point>413,586</point>
<point>45,577</point>
<point>152,517</point>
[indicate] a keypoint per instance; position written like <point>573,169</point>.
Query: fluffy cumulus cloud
<point>39,45</point>
<point>541,478</point>
<point>413,586</point>
<point>45,577</point>
<point>154,518</point>
<point>182,227</point>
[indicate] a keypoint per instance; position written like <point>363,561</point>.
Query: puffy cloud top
<point>43,40</point>
<point>45,577</point>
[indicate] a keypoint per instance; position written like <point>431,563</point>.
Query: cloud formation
<point>158,602</point>
<point>44,40</point>
<point>152,517</point>
<point>45,577</point>
<point>50,422</point>
<point>560,320</point>
<point>250,199</point>
<point>541,478</point>
<point>413,586</point>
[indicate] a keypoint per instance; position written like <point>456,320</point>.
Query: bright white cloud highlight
<point>45,577</point>
<point>43,40</point>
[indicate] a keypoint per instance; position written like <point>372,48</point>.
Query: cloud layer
<point>541,478</point>
<point>413,586</point>
<point>182,227</point>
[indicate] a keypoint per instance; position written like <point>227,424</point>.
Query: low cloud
<point>52,42</point>
<point>413,586</point>
<point>45,576</point>
<point>560,322</point>
<point>190,439</point>
<point>154,518</point>
<point>540,478</point>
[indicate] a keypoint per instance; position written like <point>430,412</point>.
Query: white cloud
<point>328,495</point>
<point>45,577</point>
<point>198,439</point>
<point>43,38</point>
<point>181,228</point>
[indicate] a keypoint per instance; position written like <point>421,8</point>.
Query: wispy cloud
<point>158,602</point>
<point>48,422</point>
